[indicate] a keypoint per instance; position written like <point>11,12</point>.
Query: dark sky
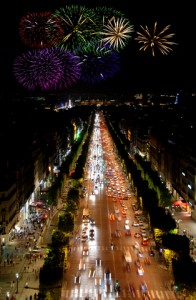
<point>139,70</point>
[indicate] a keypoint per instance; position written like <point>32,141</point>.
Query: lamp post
<point>7,295</point>
<point>30,253</point>
<point>17,283</point>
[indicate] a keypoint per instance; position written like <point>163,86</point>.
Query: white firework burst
<point>117,32</point>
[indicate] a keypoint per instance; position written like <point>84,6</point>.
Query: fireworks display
<point>76,43</point>
<point>155,40</point>
<point>98,64</point>
<point>79,23</point>
<point>46,69</point>
<point>40,30</point>
<point>117,32</point>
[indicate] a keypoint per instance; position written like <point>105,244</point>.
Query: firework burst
<point>40,30</point>
<point>105,14</point>
<point>71,70</point>
<point>155,40</point>
<point>117,33</point>
<point>78,24</point>
<point>46,69</point>
<point>98,63</point>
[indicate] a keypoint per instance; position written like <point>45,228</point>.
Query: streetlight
<point>17,275</point>
<point>30,253</point>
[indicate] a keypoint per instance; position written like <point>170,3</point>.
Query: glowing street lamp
<point>17,276</point>
<point>7,295</point>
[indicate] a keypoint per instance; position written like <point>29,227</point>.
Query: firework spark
<point>117,32</point>
<point>156,40</point>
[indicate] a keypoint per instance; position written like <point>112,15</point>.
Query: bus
<point>85,215</point>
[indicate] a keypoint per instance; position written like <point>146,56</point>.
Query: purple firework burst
<point>98,64</point>
<point>71,70</point>
<point>46,69</point>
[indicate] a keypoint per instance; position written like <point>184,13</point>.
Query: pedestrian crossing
<point>108,248</point>
<point>98,293</point>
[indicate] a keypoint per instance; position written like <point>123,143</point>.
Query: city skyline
<point>139,70</point>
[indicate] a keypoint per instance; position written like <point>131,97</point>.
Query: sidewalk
<point>27,271</point>
<point>187,226</point>
<point>185,222</point>
<point>15,260</point>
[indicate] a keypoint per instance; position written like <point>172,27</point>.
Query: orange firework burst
<point>156,40</point>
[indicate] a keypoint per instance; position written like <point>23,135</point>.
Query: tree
<point>66,222</point>
<point>60,238</point>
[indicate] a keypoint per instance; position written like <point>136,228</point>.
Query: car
<point>135,224</point>
<point>84,235</point>
<point>140,271</point>
<point>85,222</point>
<point>92,221</point>
<point>145,241</point>
<point>144,235</point>
<point>85,227</point>
<point>140,254</point>
<point>151,252</point>
<point>92,236</point>
<point>84,238</point>
<point>85,250</point>
<point>132,290</point>
<point>128,232</point>
<point>137,235</point>
<point>138,263</point>
<point>144,287</point>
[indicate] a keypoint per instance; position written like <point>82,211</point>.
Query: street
<point>103,273</point>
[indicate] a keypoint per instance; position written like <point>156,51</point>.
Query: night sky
<point>139,70</point>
